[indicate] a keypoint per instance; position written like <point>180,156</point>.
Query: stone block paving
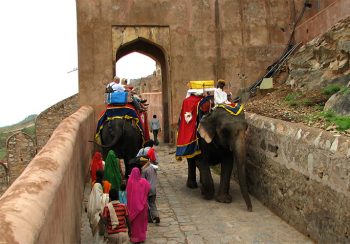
<point>185,217</point>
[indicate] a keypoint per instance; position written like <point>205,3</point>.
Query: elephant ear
<point>205,132</point>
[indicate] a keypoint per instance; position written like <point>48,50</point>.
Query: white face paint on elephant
<point>204,134</point>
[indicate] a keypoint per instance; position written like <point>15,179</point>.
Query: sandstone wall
<point>44,204</point>
<point>48,120</point>
<point>21,149</point>
<point>4,177</point>
<point>320,17</point>
<point>303,175</point>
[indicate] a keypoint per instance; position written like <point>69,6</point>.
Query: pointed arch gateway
<point>157,53</point>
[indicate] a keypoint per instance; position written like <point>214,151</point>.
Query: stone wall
<point>48,120</point>
<point>303,175</point>
<point>44,204</point>
<point>323,14</point>
<point>4,177</point>
<point>21,149</point>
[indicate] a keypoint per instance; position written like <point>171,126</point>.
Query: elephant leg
<point>191,176</point>
<point>240,155</point>
<point>207,183</point>
<point>225,177</point>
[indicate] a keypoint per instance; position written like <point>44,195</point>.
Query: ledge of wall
<point>302,174</point>
<point>44,204</point>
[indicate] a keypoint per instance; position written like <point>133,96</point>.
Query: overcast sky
<point>38,46</point>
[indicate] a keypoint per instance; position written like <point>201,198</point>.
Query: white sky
<point>38,46</point>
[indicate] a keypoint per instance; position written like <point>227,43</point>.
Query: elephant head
<point>224,136</point>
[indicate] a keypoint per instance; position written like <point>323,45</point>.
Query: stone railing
<point>302,174</point>
<point>44,204</point>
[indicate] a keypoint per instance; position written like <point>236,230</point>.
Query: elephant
<point>123,136</point>
<point>222,140</point>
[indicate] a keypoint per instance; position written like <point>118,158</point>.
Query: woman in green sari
<point>112,171</point>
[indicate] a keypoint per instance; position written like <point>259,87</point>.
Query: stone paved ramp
<point>187,218</point>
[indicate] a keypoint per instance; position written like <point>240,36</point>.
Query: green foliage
<point>307,102</point>
<point>342,122</point>
<point>345,90</point>
<point>331,89</point>
<point>2,153</point>
<point>292,99</point>
<point>29,130</point>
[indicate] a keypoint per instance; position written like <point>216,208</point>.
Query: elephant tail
<point>115,140</point>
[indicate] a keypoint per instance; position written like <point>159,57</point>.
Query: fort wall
<point>302,175</point>
<point>44,204</point>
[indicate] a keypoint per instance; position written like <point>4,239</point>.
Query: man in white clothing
<point>115,85</point>
<point>220,96</point>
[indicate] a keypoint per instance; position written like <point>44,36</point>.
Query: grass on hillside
<point>2,153</point>
<point>342,122</point>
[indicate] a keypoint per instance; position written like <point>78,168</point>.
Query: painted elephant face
<point>206,128</point>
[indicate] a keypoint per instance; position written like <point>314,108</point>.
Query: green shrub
<point>331,89</point>
<point>307,102</point>
<point>342,122</point>
<point>345,90</point>
<point>292,99</point>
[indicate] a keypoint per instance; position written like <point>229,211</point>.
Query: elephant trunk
<point>239,153</point>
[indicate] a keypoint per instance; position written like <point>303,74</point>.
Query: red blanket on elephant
<point>187,140</point>
<point>126,111</point>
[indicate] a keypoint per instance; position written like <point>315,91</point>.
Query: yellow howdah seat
<point>198,84</point>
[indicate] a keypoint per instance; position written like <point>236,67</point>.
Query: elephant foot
<point>250,209</point>
<point>192,184</point>
<point>225,198</point>
<point>207,195</point>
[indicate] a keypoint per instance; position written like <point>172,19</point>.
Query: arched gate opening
<point>155,52</point>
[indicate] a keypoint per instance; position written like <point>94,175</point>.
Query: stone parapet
<point>48,120</point>
<point>44,204</point>
<point>302,174</point>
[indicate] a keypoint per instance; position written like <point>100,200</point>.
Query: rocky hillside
<point>314,85</point>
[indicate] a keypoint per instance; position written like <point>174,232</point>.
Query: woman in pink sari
<point>137,189</point>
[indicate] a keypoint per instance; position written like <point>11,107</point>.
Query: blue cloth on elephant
<point>233,108</point>
<point>112,170</point>
<point>112,112</point>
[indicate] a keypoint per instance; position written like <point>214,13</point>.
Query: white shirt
<point>220,96</point>
<point>116,87</point>
<point>155,125</point>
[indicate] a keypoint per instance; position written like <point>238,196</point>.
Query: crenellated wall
<point>44,204</point>
<point>302,174</point>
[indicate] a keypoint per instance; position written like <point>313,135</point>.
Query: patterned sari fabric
<point>138,189</point>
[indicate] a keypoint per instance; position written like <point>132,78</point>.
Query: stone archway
<point>152,42</point>
<point>21,149</point>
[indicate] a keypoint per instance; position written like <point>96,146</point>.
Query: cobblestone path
<point>187,218</point>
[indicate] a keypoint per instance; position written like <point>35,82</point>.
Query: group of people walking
<point>120,209</point>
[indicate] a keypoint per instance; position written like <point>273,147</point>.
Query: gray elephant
<point>124,137</point>
<point>222,141</point>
